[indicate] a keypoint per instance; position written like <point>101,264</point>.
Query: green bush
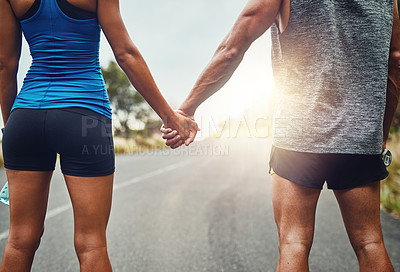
<point>1,161</point>
<point>390,189</point>
<point>138,145</point>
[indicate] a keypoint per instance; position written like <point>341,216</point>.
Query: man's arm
<point>10,50</point>
<point>255,19</point>
<point>393,86</point>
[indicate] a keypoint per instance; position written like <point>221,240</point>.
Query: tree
<point>127,103</point>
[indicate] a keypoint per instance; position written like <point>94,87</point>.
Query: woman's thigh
<point>91,200</point>
<point>28,194</point>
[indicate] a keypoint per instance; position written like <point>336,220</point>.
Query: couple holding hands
<point>332,116</point>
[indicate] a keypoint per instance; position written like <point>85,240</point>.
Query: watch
<point>386,157</point>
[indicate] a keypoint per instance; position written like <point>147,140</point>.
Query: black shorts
<point>340,171</point>
<point>83,138</point>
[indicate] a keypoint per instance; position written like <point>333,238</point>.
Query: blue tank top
<point>65,70</point>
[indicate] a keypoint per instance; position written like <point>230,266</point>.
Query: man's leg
<point>361,215</point>
<point>294,210</point>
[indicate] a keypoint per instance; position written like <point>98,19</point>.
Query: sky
<point>177,38</point>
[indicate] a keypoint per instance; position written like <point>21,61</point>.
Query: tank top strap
<point>50,8</point>
<point>46,5</point>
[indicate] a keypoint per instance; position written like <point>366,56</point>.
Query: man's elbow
<point>230,53</point>
<point>394,60</point>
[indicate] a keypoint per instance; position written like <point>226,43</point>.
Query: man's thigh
<point>294,209</point>
<point>360,209</point>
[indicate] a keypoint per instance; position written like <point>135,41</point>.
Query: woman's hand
<point>179,129</point>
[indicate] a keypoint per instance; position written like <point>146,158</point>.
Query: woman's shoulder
<point>20,7</point>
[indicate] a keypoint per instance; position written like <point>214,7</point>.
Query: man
<point>330,62</point>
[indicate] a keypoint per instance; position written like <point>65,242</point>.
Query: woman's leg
<point>91,200</point>
<point>28,192</point>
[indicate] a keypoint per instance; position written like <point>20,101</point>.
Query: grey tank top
<point>330,69</point>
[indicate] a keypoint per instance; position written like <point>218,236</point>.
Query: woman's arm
<point>10,51</point>
<point>133,64</point>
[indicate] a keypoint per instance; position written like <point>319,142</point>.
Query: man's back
<point>330,67</point>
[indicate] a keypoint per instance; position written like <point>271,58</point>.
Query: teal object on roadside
<point>4,195</point>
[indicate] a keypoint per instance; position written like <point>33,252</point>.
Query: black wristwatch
<point>2,130</point>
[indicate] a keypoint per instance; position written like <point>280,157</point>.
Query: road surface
<point>203,208</point>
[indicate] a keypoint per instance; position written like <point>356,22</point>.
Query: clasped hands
<point>180,129</point>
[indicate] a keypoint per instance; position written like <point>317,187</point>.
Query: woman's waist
<point>61,88</point>
<point>67,78</point>
<point>43,71</point>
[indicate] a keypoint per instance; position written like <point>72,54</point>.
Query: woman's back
<point>64,44</point>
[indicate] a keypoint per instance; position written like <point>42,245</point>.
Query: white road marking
<point>4,235</point>
<point>56,211</point>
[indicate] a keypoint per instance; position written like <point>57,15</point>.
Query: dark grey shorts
<point>339,171</point>
<point>83,138</point>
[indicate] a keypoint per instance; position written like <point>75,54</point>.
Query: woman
<point>63,108</point>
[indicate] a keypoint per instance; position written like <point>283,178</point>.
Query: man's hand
<point>181,131</point>
<point>174,138</point>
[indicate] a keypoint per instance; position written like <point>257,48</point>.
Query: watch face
<point>386,157</point>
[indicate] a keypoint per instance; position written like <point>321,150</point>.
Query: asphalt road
<point>203,208</point>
